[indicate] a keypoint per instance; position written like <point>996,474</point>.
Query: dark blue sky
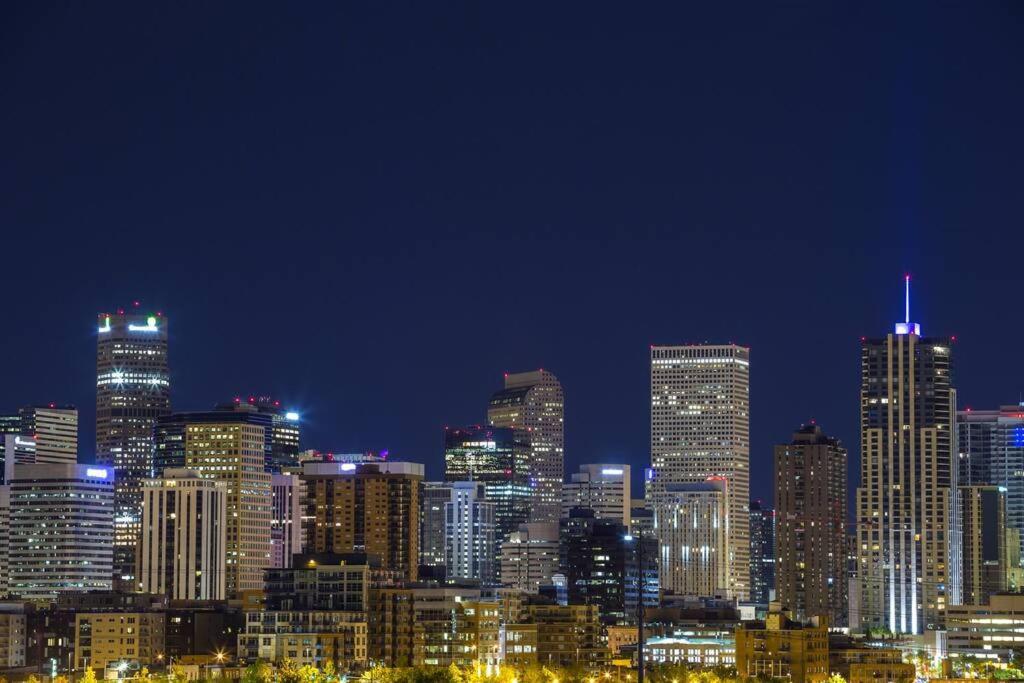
<point>373,210</point>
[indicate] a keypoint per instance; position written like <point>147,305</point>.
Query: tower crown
<point>907,327</point>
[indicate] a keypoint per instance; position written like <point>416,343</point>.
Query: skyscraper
<point>54,430</point>
<point>497,457</point>
<point>762,553</point>
<point>700,428</point>
<point>286,521</point>
<point>435,495</point>
<point>905,500</point>
<point>530,556</point>
<point>283,435</point>
<point>533,404</point>
<point>810,526</point>
<point>469,544</point>
<point>601,488</point>
<point>133,389</point>
<point>182,551</point>
<point>689,523</point>
<point>984,556</point>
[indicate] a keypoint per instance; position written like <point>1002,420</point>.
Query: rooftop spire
<point>907,327</point>
<point>907,318</point>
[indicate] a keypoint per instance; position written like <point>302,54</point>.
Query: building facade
<point>183,547</point>
<point>133,389</point>
<point>780,648</point>
<point>605,489</point>
<point>690,523</point>
<point>533,404</point>
<point>762,553</point>
<point>435,495</point>
<point>287,490</point>
<point>53,430</point>
<point>105,638</point>
<point>810,526</point>
<point>469,534</point>
<point>983,557</point>
<point>700,428</point>
<point>530,556</point>
<point>905,500</point>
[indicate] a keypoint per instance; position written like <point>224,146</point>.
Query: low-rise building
<point>13,639</point>
<point>782,648</point>
<point>556,635</point>
<point>305,637</point>
<point>991,631</point>
<point>870,665</point>
<point>104,638</point>
<point>696,652</point>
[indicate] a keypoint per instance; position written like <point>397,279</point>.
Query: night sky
<point>373,210</point>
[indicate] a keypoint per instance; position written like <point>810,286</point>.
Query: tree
<point>88,676</point>
<point>836,678</point>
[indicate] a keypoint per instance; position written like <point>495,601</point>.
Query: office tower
<point>286,518</point>
<point>54,431</point>
<point>641,518</point>
<point>532,403</point>
<point>598,560</point>
<point>10,434</point>
<point>700,428</point>
<point>232,451</point>
<point>984,554</point>
<point>601,488</point>
<point>61,530</point>
<point>497,457</point>
<point>991,453</point>
<point>469,544</point>
<point>183,549</point>
<point>690,525</point>
<point>810,526</point>
<point>284,432</point>
<point>371,508</point>
<point>435,495</point>
<point>530,556</point>
<point>133,389</point>
<point>762,553</point>
<point>905,500</point>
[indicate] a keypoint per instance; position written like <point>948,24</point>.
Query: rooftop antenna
<point>907,327</point>
<point>907,281</point>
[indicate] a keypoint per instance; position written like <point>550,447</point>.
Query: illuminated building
<point>232,451</point>
<point>183,547</point>
<point>496,457</point>
<point>469,543</point>
<point>287,491</point>
<point>133,389</point>
<point>641,518</point>
<point>371,508</point>
<point>994,630</point>
<point>982,515</point>
<point>13,636</point>
<point>870,664</point>
<point>104,638</point>
<point>762,553</point>
<point>810,526</point>
<point>700,428</point>
<point>555,635</point>
<point>601,488</point>
<point>61,530</point>
<point>992,454</point>
<point>530,556</point>
<point>53,430</point>
<point>780,648</point>
<point>435,495</point>
<point>532,403</point>
<point>690,525</point>
<point>283,436</point>
<point>905,500</point>
<point>696,652</point>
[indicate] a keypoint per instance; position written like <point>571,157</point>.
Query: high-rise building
<point>133,389</point>
<point>530,556</point>
<point>690,525</point>
<point>183,548</point>
<point>497,457</point>
<point>532,403</point>
<point>284,432</point>
<point>601,488</point>
<point>469,545</point>
<point>700,428</point>
<point>762,553</point>
<point>435,495</point>
<point>54,431</point>
<point>991,453</point>
<point>232,451</point>
<point>810,526</point>
<point>286,520</point>
<point>61,530</point>
<point>982,515</point>
<point>371,508</point>
<point>905,500</point>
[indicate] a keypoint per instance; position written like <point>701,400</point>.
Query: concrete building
<point>605,489</point>
<point>530,557</point>
<point>641,519</point>
<point>61,530</point>
<point>183,547</point>
<point>371,508</point>
<point>54,431</point>
<point>306,638</point>
<point>532,403</point>
<point>435,495</point>
<point>870,664</point>
<point>13,637</point>
<point>469,534</point>
<point>105,638</point>
<point>994,630</point>
<point>782,648</point>
<point>699,653</point>
<point>555,635</point>
<point>327,582</point>
<point>905,501</point>
<point>810,526</point>
<point>284,430</point>
<point>762,553</point>
<point>133,389</point>
<point>690,523</point>
<point>287,492</point>
<point>700,428</point>
<point>982,516</point>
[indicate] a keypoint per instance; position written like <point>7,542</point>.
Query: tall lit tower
<point>532,403</point>
<point>700,428</point>
<point>905,501</point>
<point>133,389</point>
